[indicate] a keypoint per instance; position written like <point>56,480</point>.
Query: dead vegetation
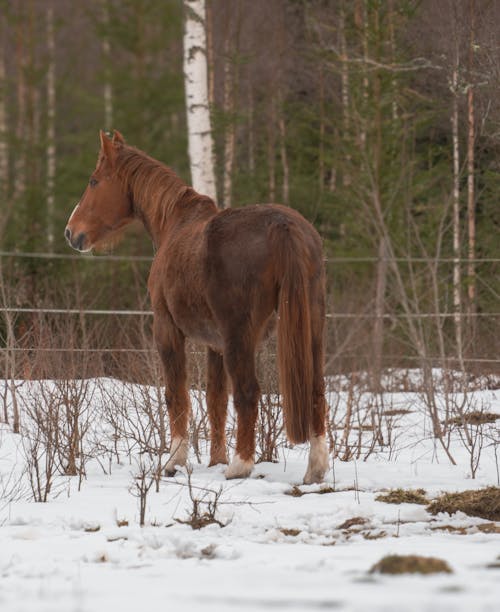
<point>484,503</point>
<point>410,564</point>
<point>296,491</point>
<point>404,496</point>
<point>475,417</point>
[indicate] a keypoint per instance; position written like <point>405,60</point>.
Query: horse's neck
<point>163,211</point>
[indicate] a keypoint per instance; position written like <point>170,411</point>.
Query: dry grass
<point>484,503</point>
<point>475,417</point>
<point>296,491</point>
<point>289,532</point>
<point>355,520</point>
<point>404,496</point>
<point>410,564</point>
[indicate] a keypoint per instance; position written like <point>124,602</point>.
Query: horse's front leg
<point>171,346</point>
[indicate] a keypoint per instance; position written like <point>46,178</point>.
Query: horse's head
<point>105,207</point>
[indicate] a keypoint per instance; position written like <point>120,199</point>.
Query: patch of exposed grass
<point>483,528</point>
<point>289,532</point>
<point>475,417</point>
<point>355,520</point>
<point>404,496</point>
<point>296,491</point>
<point>410,564</point>
<point>484,503</point>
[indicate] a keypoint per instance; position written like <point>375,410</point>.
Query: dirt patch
<point>410,564</point>
<point>484,503</point>
<point>404,496</point>
<point>397,412</point>
<point>475,417</point>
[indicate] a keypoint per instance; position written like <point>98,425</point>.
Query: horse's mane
<point>153,185</point>
<point>156,192</point>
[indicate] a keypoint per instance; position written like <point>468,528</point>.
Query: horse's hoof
<point>239,468</point>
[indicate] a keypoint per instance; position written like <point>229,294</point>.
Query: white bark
<point>4,151</point>
<point>200,142</point>
<point>51,132</point>
<point>229,135</point>
<point>457,280</point>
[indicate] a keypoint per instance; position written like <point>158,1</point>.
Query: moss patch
<point>404,496</point>
<point>410,564</point>
<point>484,503</point>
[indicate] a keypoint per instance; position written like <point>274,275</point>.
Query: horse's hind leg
<point>170,343</point>
<point>239,358</point>
<point>318,449</point>
<point>217,407</point>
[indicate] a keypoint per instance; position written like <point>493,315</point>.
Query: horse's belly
<point>199,326</point>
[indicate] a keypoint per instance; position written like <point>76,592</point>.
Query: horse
<point>226,279</point>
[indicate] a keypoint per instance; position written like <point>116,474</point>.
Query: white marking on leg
<point>238,468</point>
<point>178,454</point>
<point>318,460</point>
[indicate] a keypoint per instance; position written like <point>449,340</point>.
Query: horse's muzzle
<point>76,242</point>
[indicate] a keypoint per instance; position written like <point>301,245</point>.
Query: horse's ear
<point>117,137</point>
<point>107,146</point>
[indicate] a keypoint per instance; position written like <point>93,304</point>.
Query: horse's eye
<point>93,182</point>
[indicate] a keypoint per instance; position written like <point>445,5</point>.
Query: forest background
<point>378,120</point>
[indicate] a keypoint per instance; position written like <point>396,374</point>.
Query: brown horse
<point>220,278</point>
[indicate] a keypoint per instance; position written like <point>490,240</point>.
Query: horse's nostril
<point>67,234</point>
<point>78,242</point>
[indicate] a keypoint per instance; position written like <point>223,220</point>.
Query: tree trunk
<point>106,52</point>
<point>229,132</point>
<point>271,157</point>
<point>378,327</point>
<point>200,142</point>
<point>283,154</point>
<point>345,93</point>
<point>20,163</point>
<point>4,148</point>
<point>471,208</point>
<point>457,280</point>
<point>51,132</point>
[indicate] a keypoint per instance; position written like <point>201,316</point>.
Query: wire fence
<point>364,316</point>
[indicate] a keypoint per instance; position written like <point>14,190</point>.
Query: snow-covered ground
<point>85,551</point>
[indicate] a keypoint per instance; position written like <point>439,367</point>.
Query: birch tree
<point>4,152</point>
<point>200,141</point>
<point>51,132</point>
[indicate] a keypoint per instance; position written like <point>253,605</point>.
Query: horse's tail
<point>295,350</point>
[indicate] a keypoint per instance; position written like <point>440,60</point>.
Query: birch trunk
<point>471,208</point>
<point>51,133</point>
<point>4,150</point>
<point>200,142</point>
<point>229,132</point>
<point>457,280</point>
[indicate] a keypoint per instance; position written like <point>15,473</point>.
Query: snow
<point>275,552</point>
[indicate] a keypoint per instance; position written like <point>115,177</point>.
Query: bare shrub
<point>204,505</point>
<point>40,438</point>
